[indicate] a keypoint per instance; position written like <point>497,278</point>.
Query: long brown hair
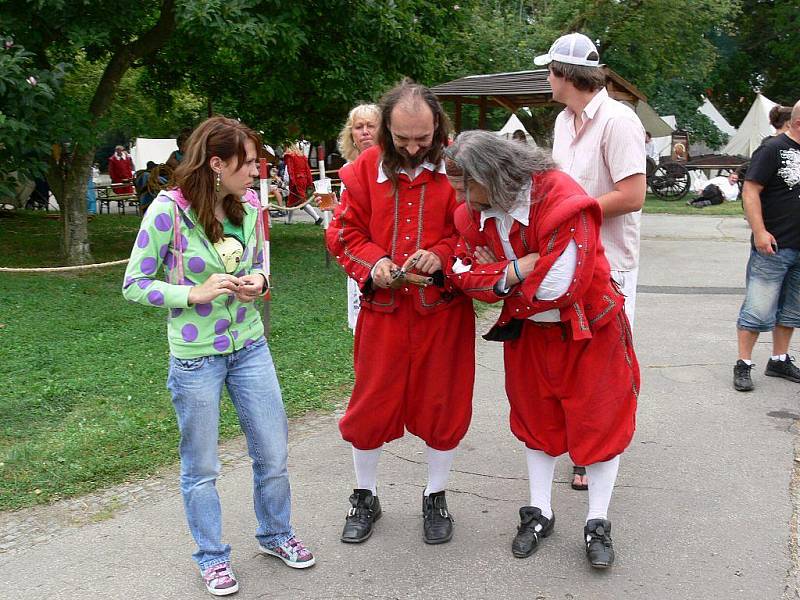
<point>408,91</point>
<point>225,138</point>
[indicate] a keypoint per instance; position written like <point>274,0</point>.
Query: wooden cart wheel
<point>670,181</point>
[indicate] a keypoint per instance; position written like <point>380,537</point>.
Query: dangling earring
<point>217,182</point>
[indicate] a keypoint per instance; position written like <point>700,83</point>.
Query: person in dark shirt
<point>772,302</point>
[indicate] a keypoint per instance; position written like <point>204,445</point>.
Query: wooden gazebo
<point>512,91</point>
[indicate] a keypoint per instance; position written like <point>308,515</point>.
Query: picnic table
<point>106,194</point>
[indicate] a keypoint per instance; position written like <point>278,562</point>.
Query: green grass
<point>83,398</point>
<point>655,205</point>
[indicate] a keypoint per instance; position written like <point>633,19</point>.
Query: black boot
<point>365,509</point>
<point>599,548</point>
<point>532,527</point>
<point>437,524</point>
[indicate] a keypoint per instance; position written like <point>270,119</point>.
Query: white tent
<point>709,110</point>
<point>651,122</point>
<point>513,124</point>
<point>753,129</point>
<point>157,150</point>
<point>663,144</point>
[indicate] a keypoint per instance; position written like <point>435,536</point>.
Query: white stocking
<point>540,476</point>
<point>366,466</point>
<point>439,463</point>
<point>602,476</point>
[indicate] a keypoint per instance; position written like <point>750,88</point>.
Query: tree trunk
<point>74,219</point>
<point>75,240</point>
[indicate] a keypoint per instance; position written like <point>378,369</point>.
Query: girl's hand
<point>216,285</point>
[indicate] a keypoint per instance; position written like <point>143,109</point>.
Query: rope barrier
<point>61,269</point>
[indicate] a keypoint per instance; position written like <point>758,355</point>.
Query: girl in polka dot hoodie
<point>207,235</point>
<point>219,326</point>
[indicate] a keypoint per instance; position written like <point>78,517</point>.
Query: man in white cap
<point>600,143</point>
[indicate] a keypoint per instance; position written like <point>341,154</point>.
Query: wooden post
<point>263,172</point>
<point>326,218</point>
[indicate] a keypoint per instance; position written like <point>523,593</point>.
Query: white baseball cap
<point>573,49</point>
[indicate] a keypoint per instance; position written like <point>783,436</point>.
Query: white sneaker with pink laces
<point>220,579</point>
<point>293,553</point>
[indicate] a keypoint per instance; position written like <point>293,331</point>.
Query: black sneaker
<point>783,368</point>
<point>532,527</point>
<point>437,524</point>
<point>599,548</point>
<point>365,509</point>
<point>741,376</point>
<point>318,221</point>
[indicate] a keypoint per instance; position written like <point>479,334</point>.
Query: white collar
<point>520,212</point>
<point>426,165</point>
<point>590,110</point>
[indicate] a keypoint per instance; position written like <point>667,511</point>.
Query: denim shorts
<point>773,291</point>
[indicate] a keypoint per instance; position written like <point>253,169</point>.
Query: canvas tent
<point>514,124</point>
<point>709,110</point>
<point>753,129</point>
<point>651,122</point>
<point>157,150</point>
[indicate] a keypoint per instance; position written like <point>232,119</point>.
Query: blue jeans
<point>196,388</point>
<point>773,291</point>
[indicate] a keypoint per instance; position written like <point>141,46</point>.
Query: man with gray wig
<point>530,237</point>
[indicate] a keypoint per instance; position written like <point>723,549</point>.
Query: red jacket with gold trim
<point>560,212</point>
<point>372,222</point>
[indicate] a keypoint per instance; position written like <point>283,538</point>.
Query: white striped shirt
<point>608,148</point>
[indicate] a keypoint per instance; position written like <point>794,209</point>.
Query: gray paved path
<point>703,506</point>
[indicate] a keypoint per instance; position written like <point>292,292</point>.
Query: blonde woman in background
<point>359,133</point>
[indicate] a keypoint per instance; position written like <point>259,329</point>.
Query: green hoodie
<point>221,326</point>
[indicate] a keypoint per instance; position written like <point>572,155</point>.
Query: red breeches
<point>576,396</point>
<point>413,372</point>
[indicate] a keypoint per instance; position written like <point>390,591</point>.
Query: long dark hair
<point>217,136</point>
<point>408,91</point>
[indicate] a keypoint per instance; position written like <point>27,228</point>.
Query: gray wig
<point>503,167</point>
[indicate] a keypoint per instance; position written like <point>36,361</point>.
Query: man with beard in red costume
<point>414,351</point>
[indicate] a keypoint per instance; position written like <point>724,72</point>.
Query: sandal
<point>577,473</point>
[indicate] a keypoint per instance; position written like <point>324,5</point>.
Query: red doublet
<point>572,385</point>
<point>119,170</point>
<point>414,354</point>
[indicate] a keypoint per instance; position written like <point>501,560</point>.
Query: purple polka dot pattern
<point>189,332</point>
<point>128,281</point>
<point>142,239</point>
<point>155,298</point>
<point>235,335</point>
<point>246,253</point>
<point>149,265</point>
<point>221,343</point>
<point>221,325</point>
<point>162,252</point>
<point>187,281</point>
<point>240,314</point>
<point>197,264</point>
<point>176,312</point>
<point>183,243</point>
<point>163,198</point>
<point>260,256</point>
<point>248,343</point>
<point>241,273</point>
<point>188,222</point>
<point>169,260</point>
<point>203,309</point>
<point>144,283</point>
<point>163,222</point>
